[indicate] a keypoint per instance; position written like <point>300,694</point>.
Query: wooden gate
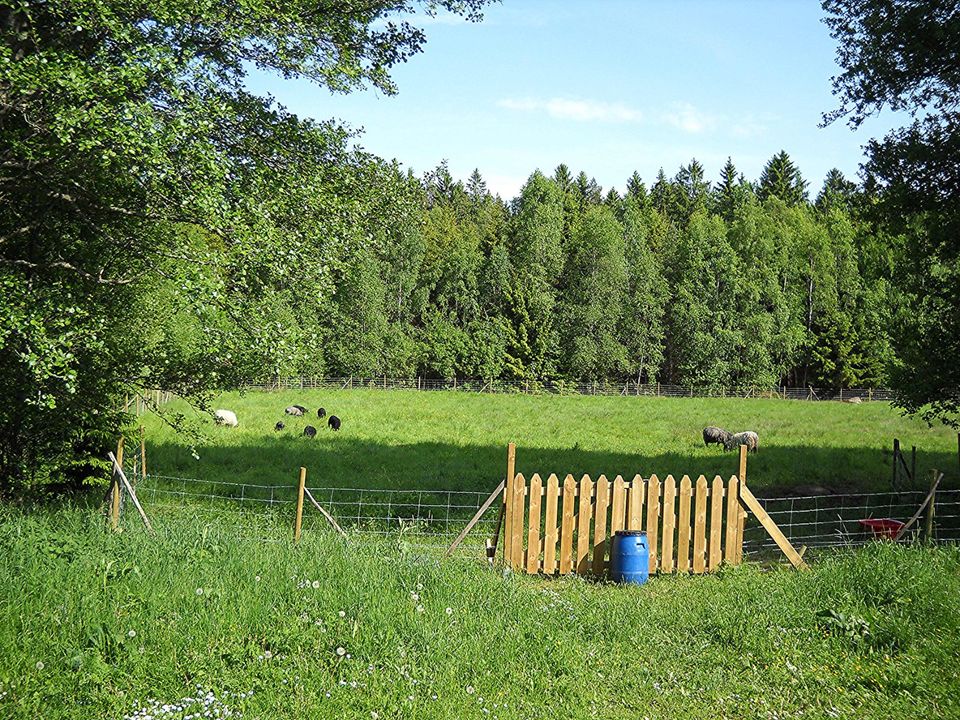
<point>691,526</point>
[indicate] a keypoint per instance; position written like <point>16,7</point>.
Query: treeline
<point>725,284</point>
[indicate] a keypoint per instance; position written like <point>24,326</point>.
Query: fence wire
<point>429,519</point>
<point>626,388</point>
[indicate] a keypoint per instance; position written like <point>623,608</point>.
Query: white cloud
<point>571,109</point>
<point>686,117</point>
<point>506,186</point>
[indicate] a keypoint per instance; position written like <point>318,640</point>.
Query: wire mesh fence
<point>428,519</point>
<point>532,387</point>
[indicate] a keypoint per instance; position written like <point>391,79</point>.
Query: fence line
<point>610,388</point>
<point>432,517</point>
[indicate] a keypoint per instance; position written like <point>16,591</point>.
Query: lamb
<point>294,410</point>
<point>310,431</point>
<point>321,413</point>
<point>716,435</point>
<point>334,422</point>
<point>279,426</point>
<point>225,417</point>
<point>747,437</point>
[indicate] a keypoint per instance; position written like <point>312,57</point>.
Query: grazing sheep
<point>321,413</point>
<point>854,400</point>
<point>715,435</point>
<point>334,422</point>
<point>310,431</point>
<point>225,417</point>
<point>301,408</point>
<point>294,410</point>
<point>747,437</point>
<point>279,426</point>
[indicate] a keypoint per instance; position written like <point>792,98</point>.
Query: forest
<point>163,227</point>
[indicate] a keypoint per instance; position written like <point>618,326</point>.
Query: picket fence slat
<point>618,506</point>
<point>583,525</point>
<point>669,522</point>
<point>716,523</point>
<point>637,492</point>
<point>516,537</point>
<point>566,529</point>
<point>683,539</point>
<point>733,505</point>
<point>653,515</point>
<point>700,526</point>
<point>550,526</point>
<point>533,534</point>
<point>600,525</point>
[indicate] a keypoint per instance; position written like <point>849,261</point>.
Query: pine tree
<point>782,179</point>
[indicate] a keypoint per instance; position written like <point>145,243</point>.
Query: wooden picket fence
<point>690,526</point>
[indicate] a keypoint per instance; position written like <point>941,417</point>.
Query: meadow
<point>197,619</point>
<point>457,441</point>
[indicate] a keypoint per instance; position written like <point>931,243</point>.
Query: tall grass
<point>95,624</point>
<point>447,440</point>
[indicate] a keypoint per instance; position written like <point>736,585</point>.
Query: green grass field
<point>96,624</point>
<point>457,441</point>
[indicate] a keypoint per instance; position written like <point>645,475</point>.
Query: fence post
<point>506,508</point>
<point>299,519</point>
<point>143,457</point>
<point>115,494</point>
<point>913,464</point>
<point>742,476</point>
<point>931,508</point>
<point>896,463</point>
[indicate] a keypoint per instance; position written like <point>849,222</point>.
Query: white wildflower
<point>342,613</point>
<point>199,591</point>
<point>39,664</point>
<point>470,690</point>
<point>132,634</point>
<point>316,584</point>
<point>341,651</point>
<point>419,608</point>
<point>449,611</point>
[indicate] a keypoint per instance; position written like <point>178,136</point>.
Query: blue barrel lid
<point>630,533</point>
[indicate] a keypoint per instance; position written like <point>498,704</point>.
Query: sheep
<point>321,413</point>
<point>747,437</point>
<point>716,435</point>
<point>294,410</point>
<point>334,422</point>
<point>225,417</point>
<point>310,431</point>
<point>301,408</point>
<point>279,426</point>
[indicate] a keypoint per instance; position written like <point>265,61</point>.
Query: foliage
<point>903,55</point>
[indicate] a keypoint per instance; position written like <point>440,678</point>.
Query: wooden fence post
<point>742,474</point>
<point>896,462</point>
<point>299,519</point>
<point>143,456</point>
<point>931,508</point>
<point>115,493</point>
<point>505,507</point>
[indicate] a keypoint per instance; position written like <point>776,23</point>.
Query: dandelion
<point>470,690</point>
<point>132,634</point>
<point>341,651</point>
<point>316,584</point>
<point>257,578</point>
<point>342,613</point>
<point>39,664</point>
<point>199,591</point>
<point>449,611</point>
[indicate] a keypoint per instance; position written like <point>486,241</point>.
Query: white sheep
<point>225,417</point>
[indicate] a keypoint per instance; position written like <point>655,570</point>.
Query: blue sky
<point>607,87</point>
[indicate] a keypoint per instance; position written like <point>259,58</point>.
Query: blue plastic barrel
<point>630,557</point>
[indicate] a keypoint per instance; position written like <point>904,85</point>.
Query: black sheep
<point>279,426</point>
<point>334,422</point>
<point>310,431</point>
<point>321,413</point>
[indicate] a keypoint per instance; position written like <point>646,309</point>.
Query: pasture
<point>96,624</point>
<point>457,441</point>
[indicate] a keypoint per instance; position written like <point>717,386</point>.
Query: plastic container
<point>629,557</point>
<point>884,528</point>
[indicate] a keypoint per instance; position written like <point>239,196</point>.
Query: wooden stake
<point>299,519</point>
<point>323,511</point>
<point>476,518</point>
<point>896,468</point>
<point>931,508</point>
<point>133,495</point>
<point>115,494</point>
